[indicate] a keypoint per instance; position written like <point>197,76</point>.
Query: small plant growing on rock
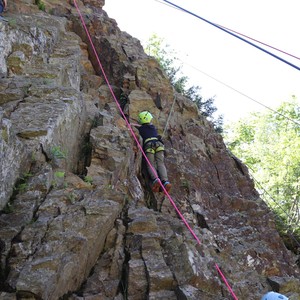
<point>58,153</point>
<point>58,181</point>
<point>12,23</point>
<point>41,5</point>
<point>72,197</point>
<point>88,179</point>
<point>59,174</point>
<point>22,187</point>
<point>26,175</point>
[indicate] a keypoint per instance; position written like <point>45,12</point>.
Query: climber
<point>124,99</point>
<point>3,6</point>
<point>274,296</point>
<point>154,149</point>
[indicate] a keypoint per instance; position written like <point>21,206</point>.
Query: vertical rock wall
<point>78,218</point>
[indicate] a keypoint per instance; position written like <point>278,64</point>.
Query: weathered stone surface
<point>137,279</point>
<point>12,155</point>
<point>192,293</point>
<point>65,246</point>
<point>285,285</point>
<point>50,109</point>
<point>104,282</point>
<point>160,276</point>
<point>7,296</point>
<point>163,295</point>
<point>16,62</point>
<point>78,218</point>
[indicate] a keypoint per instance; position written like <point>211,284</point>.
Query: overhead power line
<point>232,33</point>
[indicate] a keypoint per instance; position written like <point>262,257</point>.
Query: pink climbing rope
<point>141,148</point>
<point>225,281</point>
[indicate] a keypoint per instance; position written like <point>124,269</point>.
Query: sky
<point>235,73</point>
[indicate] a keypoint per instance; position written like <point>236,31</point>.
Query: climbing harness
<point>150,140</point>
<point>141,148</point>
<point>153,145</point>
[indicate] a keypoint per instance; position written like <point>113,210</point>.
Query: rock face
<point>78,219</point>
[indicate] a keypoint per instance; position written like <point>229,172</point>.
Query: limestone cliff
<point>78,220</point>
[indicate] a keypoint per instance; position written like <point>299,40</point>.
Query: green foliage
<point>206,106</point>
<point>40,4</point>
<point>58,181</point>
<point>59,174</point>
<point>22,184</point>
<point>88,179</point>
<point>22,187</point>
<point>168,61</point>
<point>58,153</point>
<point>269,144</point>
<point>12,23</point>
<point>72,197</point>
<point>26,175</point>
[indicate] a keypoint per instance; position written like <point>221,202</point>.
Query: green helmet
<point>145,117</point>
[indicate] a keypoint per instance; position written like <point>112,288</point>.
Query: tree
<point>168,61</point>
<point>269,144</point>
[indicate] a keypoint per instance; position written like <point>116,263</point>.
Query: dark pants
<point>157,161</point>
<point>155,154</point>
<point>1,7</point>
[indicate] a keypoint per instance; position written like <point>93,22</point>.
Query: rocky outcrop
<point>78,219</point>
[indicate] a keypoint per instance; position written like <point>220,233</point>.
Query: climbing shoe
<point>167,186</point>
<point>155,186</point>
